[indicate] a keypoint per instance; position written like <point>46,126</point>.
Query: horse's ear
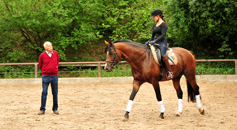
<point>108,43</point>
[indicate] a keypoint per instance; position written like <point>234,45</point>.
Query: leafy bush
<point>17,71</point>
<point>215,68</point>
<point>208,28</point>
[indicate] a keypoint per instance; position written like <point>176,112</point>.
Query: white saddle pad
<point>170,54</point>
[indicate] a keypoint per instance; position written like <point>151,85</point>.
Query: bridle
<point>116,54</point>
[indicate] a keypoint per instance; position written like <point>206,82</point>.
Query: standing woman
<point>159,37</point>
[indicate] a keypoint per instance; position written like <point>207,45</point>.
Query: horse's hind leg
<point>136,86</point>
<point>179,92</point>
<point>193,91</point>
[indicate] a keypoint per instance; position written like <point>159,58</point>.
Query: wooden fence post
<point>36,71</point>
<point>236,67</point>
<point>99,70</point>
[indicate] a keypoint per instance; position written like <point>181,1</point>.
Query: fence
<point>101,63</point>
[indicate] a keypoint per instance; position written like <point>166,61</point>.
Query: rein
<point>137,57</point>
<point>116,54</point>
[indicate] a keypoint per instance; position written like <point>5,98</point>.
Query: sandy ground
<point>102,106</point>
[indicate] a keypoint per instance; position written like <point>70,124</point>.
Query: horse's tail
<point>191,93</point>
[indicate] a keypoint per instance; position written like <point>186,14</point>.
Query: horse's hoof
<point>162,115</point>
<point>201,110</point>
<point>126,118</point>
<point>178,113</point>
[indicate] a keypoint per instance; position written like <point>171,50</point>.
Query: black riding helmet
<point>156,12</point>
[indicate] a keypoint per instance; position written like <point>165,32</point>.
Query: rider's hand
<point>147,43</point>
<point>152,42</point>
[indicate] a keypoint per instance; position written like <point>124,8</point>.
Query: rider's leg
<point>163,49</point>
<point>170,74</point>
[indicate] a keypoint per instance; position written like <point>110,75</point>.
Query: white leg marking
<point>162,107</point>
<point>180,102</point>
<point>129,106</point>
<point>198,102</point>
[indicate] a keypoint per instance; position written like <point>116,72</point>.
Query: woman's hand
<point>147,43</point>
<point>152,42</point>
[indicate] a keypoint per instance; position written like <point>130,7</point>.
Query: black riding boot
<point>170,73</point>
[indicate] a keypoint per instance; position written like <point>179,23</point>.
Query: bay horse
<point>145,69</point>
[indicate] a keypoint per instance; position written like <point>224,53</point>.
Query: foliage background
<point>77,28</point>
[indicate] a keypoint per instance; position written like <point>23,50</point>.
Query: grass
<point>213,68</point>
<point>207,68</point>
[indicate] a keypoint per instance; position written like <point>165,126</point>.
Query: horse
<point>145,69</point>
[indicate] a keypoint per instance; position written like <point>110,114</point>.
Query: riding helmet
<point>156,12</point>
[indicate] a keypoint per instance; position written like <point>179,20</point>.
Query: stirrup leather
<point>169,75</point>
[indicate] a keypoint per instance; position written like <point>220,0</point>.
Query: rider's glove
<point>147,43</point>
<point>152,42</point>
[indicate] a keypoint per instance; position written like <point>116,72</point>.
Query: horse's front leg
<point>136,86</point>
<point>179,92</point>
<point>158,96</point>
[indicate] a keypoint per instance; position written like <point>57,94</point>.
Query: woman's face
<point>156,18</point>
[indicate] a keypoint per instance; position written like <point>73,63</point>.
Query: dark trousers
<point>162,46</point>
<point>54,86</point>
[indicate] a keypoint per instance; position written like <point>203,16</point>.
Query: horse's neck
<point>134,56</point>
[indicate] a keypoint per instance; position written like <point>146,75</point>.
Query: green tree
<point>63,22</point>
<point>122,19</point>
<point>70,24</point>
<point>204,26</point>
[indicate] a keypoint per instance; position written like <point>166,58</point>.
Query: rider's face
<point>156,17</point>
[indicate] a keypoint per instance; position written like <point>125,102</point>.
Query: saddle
<point>169,54</point>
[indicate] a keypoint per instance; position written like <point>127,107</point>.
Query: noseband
<point>116,54</point>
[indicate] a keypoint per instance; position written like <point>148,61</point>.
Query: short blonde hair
<point>47,42</point>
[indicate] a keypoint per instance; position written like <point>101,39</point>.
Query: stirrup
<point>169,75</point>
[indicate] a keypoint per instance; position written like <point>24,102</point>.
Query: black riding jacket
<point>159,33</point>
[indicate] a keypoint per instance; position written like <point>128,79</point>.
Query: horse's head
<point>112,57</point>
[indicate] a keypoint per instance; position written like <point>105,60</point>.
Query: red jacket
<point>49,65</point>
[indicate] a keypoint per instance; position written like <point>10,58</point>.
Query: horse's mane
<point>132,43</point>
<point>129,42</point>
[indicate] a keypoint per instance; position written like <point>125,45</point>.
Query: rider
<point>158,37</point>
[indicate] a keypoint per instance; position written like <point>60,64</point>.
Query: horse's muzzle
<point>107,68</point>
